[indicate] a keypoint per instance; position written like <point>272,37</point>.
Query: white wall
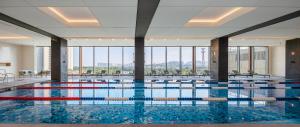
<point>28,58</point>
<point>10,53</point>
<point>20,57</point>
<point>277,60</point>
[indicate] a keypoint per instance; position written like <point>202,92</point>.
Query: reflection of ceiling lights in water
<point>13,37</point>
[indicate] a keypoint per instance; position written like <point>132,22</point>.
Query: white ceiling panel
<point>92,32</point>
<point>107,3</point>
<point>13,3</point>
<point>115,16</point>
<point>172,15</point>
<point>55,3</point>
<point>32,16</point>
<point>231,3</point>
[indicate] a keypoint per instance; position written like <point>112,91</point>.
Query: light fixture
<point>228,15</point>
<point>293,53</point>
<point>234,10</point>
<point>13,37</point>
<point>59,14</point>
<point>72,16</point>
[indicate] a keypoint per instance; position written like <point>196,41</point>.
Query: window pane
<point>244,59</point>
<point>173,59</point>
<point>101,60</point>
<point>202,59</point>
<point>87,59</point>
<point>40,58</point>
<point>260,55</point>
<point>128,67</point>
<point>186,60</point>
<point>47,59</point>
<point>115,60</point>
<point>147,60</point>
<point>73,60</point>
<point>159,59</point>
<point>232,59</point>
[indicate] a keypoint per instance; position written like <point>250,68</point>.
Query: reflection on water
<point>141,112</point>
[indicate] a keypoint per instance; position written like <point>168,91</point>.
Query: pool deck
<point>19,82</point>
<point>149,125</point>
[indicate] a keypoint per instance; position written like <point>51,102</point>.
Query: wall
<point>28,58</point>
<point>277,60</point>
<point>21,57</point>
<point>10,53</point>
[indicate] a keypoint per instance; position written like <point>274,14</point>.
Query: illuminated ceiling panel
<point>13,37</point>
<point>72,16</point>
<point>213,16</point>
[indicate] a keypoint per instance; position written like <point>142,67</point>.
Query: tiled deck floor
<point>22,81</point>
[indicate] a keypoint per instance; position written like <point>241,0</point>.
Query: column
<point>139,59</point>
<point>292,59</point>
<point>59,59</point>
<point>219,59</point>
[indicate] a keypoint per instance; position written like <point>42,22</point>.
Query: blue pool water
<point>149,111</point>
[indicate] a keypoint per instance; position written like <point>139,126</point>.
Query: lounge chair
<point>205,73</point>
<point>166,73</point>
<point>117,73</point>
<point>153,73</point>
<point>3,77</point>
<point>87,74</point>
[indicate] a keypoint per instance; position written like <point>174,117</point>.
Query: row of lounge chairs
<point>204,73</point>
<point>236,73</point>
<point>178,73</point>
<point>102,73</point>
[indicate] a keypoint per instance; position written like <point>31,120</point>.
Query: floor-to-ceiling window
<point>148,60</point>
<point>202,59</point>
<point>128,60</point>
<point>233,59</point>
<point>87,59</point>
<point>101,60</point>
<point>260,59</point>
<point>179,59</point>
<point>173,60</point>
<point>186,60</point>
<point>74,59</point>
<point>240,59</point>
<point>43,59</point>
<point>159,59</point>
<point>115,60</point>
<point>244,59</point>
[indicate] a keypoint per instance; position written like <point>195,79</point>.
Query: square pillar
<point>219,59</point>
<point>292,66</point>
<point>59,59</point>
<point>139,59</point>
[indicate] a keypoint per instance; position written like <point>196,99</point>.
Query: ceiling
<point>117,19</point>
<point>172,15</point>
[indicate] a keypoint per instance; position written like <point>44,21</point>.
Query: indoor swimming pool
<point>152,102</point>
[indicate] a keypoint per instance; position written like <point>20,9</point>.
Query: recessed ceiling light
<point>74,16</point>
<point>202,20</point>
<point>13,37</point>
<point>232,11</point>
<point>58,13</point>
